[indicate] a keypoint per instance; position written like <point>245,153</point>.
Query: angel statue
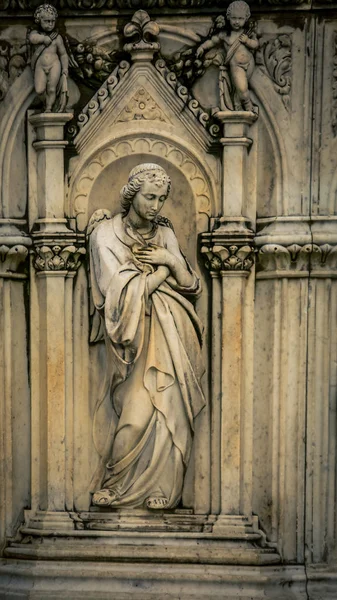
<point>141,286</point>
<point>230,46</point>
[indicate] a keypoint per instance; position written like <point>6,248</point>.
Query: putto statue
<point>230,46</point>
<point>49,60</point>
<point>141,284</point>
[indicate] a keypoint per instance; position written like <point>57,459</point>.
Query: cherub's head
<point>147,189</point>
<point>238,14</point>
<point>46,15</point>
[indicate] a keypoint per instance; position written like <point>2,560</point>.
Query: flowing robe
<point>154,367</point>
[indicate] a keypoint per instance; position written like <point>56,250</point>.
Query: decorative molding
<point>14,245</point>
<point>143,31</point>
<point>140,144</point>
<point>13,61</point>
<point>102,96</point>
<point>190,102</point>
<point>275,59</point>
<point>12,259</point>
<point>14,7</point>
<point>142,107</point>
<point>293,261</point>
<point>58,258</point>
<point>228,258</point>
<point>334,87</point>
<point>323,261</point>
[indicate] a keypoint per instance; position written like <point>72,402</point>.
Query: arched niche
<point>96,177</point>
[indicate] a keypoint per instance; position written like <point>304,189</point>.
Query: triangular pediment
<point>144,92</point>
<point>142,107</point>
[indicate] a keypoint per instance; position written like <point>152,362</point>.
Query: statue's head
<point>148,178</point>
<point>46,15</point>
<point>238,13</point>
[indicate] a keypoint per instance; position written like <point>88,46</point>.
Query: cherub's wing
<point>96,320</point>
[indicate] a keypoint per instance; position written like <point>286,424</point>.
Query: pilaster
<point>14,410</point>
<point>228,251</point>
<point>57,254</point>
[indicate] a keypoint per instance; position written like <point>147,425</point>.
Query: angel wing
<point>96,320</point>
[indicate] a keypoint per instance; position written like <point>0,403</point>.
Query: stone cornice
<point>74,8</point>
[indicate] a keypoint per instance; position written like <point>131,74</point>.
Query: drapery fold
<point>155,366</point>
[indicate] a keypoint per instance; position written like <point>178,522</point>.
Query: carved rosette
<point>228,259</point>
<point>58,258</point>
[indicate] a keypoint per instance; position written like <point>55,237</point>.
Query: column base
<point>49,521</point>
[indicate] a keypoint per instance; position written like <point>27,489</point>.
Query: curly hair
<point>46,9</point>
<point>144,172</point>
<point>240,4</point>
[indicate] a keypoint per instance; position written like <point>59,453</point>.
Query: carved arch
<point>279,150</point>
<point>152,143</point>
<point>13,113</point>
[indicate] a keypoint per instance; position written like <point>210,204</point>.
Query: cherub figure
<point>237,64</point>
<point>49,59</point>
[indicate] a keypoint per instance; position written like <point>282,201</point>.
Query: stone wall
<point>253,204</point>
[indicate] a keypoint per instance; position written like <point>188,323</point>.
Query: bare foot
<point>104,497</point>
<point>156,503</point>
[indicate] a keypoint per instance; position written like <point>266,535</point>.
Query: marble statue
<point>237,64</point>
<point>141,285</point>
<point>49,59</point>
<point>229,46</point>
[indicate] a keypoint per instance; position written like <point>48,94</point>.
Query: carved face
<point>237,18</point>
<point>47,22</point>
<point>149,201</point>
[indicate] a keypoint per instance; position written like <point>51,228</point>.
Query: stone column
<point>229,254</point>
<point>57,253</point>
<point>14,391</point>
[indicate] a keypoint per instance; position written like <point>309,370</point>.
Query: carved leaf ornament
<point>275,58</point>
<point>142,31</point>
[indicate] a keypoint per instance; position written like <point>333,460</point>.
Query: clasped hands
<point>155,255</point>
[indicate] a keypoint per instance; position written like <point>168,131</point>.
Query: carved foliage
<point>228,258</point>
<point>142,107</point>
<point>297,261</point>
<point>13,60</point>
<point>58,258</point>
<point>143,33</point>
<point>12,259</point>
<point>275,59</point>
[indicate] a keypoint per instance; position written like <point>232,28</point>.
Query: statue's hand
<point>243,38</point>
<point>47,41</point>
<point>154,255</point>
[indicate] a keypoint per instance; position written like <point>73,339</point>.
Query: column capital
<point>57,255</point>
<point>228,253</point>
